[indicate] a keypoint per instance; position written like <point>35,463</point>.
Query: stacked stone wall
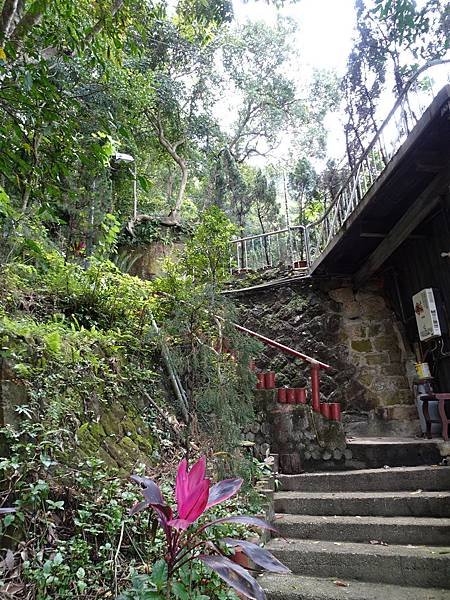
<point>355,332</point>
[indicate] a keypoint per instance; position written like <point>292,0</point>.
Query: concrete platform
<point>299,587</point>
<point>425,477</point>
<point>376,452</point>
<point>383,531</point>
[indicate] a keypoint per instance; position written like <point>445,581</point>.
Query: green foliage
<point>208,255</point>
<point>194,583</point>
<point>97,297</point>
<point>394,39</point>
<point>78,344</point>
<point>52,499</point>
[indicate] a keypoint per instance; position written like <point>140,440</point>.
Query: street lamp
<point>127,158</point>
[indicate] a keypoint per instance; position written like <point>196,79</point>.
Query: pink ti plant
<point>183,540</point>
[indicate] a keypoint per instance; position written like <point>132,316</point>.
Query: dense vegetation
<point>113,136</point>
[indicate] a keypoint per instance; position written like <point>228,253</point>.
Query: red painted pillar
<point>290,396</point>
<point>315,387</point>
<point>335,408</point>
<point>261,384</point>
<point>269,380</point>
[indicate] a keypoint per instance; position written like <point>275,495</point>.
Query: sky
<point>324,40</point>
<point>325,27</point>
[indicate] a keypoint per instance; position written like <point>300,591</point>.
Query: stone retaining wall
<point>356,333</point>
<point>300,437</point>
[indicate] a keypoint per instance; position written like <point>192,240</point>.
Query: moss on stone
<point>386,342</point>
<point>378,358</point>
<point>118,438</point>
<point>361,345</point>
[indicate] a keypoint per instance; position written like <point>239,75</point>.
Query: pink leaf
<point>181,484</point>
<point>259,556</point>
<point>236,577</point>
<point>197,473</point>
<point>223,490</point>
<point>195,504</point>
<point>179,523</point>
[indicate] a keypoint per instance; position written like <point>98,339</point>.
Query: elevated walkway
<point>397,182</point>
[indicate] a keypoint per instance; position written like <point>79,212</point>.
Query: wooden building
<point>400,232</point>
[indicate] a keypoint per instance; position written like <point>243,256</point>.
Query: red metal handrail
<point>283,348</point>
<point>316,365</point>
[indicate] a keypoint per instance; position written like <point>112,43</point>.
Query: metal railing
<point>315,365</point>
<point>294,245</point>
<point>415,99</point>
<point>288,246</point>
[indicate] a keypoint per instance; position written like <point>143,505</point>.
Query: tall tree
<point>393,39</point>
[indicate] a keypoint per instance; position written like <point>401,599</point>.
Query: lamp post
<point>127,158</point>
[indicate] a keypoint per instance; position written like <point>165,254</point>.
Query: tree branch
<point>101,22</point>
<point>31,18</point>
<point>9,14</point>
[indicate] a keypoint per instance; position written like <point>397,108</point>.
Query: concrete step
<point>298,587</point>
<point>432,478</point>
<point>399,565</point>
<point>384,504</point>
<point>391,530</point>
<point>375,453</point>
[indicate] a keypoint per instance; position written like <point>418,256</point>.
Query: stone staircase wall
<point>301,438</point>
<point>356,333</point>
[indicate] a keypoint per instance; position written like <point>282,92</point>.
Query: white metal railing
<point>406,112</point>
<point>293,245</point>
<point>288,246</point>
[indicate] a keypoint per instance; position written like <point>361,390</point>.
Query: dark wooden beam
<point>429,162</point>
<point>423,205</point>
<point>372,234</point>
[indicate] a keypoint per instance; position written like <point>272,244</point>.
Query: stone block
<point>395,355</point>
<point>397,412</point>
<point>254,427</point>
<point>315,454</point>
<point>378,358</point>
<point>361,345</point>
<point>356,331</point>
<point>366,377</point>
<point>263,399</point>
<point>371,305</point>
<point>264,449</point>
<point>375,329</point>
<point>350,308</point>
<point>399,397</point>
<point>342,295</point>
<point>386,342</point>
<point>394,369</point>
<point>337,455</point>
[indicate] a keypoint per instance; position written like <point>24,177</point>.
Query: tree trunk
<point>8,17</point>
<point>263,229</point>
<point>175,212</point>
<point>172,149</point>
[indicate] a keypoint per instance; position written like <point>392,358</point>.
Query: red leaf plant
<point>184,541</point>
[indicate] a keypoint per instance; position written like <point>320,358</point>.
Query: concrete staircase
<point>370,534</point>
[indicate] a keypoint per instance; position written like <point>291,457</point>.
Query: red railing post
<point>315,387</point>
